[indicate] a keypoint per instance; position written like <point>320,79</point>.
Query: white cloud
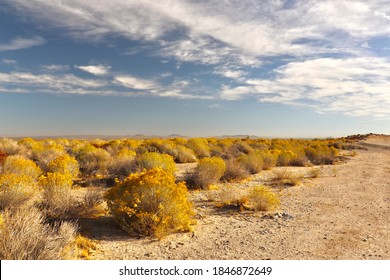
<point>9,61</point>
<point>354,86</point>
<point>135,83</point>
<point>30,82</point>
<point>22,43</point>
<point>234,38</point>
<point>98,70</point>
<point>215,106</point>
<point>55,68</point>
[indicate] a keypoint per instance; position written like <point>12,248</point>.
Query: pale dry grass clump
<point>284,177</point>
<point>261,198</point>
<point>9,146</point>
<point>314,172</point>
<point>93,204</point>
<point>58,200</point>
<point>16,190</point>
<point>24,235</point>
<point>235,171</point>
<point>255,198</point>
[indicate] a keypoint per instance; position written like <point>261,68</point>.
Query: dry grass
<point>261,198</point>
<point>256,198</point>
<point>25,236</point>
<point>93,204</point>
<point>314,173</point>
<point>284,177</point>
<point>15,190</point>
<point>85,247</point>
<point>235,171</point>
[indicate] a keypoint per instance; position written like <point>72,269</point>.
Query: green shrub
<point>151,203</point>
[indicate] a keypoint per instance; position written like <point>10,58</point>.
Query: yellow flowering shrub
<point>20,165</point>
<point>65,164</point>
<point>207,172</point>
<point>261,198</point>
<point>285,158</point>
<point>46,151</point>
<point>199,146</point>
<point>253,162</point>
<point>58,198</point>
<point>152,160</point>
<point>92,160</point>
<point>151,203</point>
<point>122,164</point>
<point>15,189</point>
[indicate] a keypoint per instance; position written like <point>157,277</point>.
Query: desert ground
<point>342,214</point>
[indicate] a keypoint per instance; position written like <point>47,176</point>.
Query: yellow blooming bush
<point>92,160</point>
<point>207,172</point>
<point>65,164</point>
<point>253,162</point>
<point>46,151</point>
<point>58,198</point>
<point>122,164</point>
<point>199,146</point>
<point>151,203</point>
<point>285,157</point>
<point>20,165</point>
<point>261,198</point>
<point>152,160</point>
<point>15,190</point>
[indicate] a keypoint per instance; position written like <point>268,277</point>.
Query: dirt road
<point>343,214</point>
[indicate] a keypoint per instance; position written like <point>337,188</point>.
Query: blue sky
<point>281,68</point>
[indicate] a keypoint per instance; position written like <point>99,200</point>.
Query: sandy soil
<point>343,214</point>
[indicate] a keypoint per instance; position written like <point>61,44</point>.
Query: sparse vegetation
<point>284,177</point>
<point>134,182</point>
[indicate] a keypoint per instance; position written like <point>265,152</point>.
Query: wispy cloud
<point>30,82</point>
<point>22,43</point>
<point>354,86</point>
<point>9,61</point>
<point>332,64</point>
<point>98,70</point>
<point>135,83</point>
<point>55,67</point>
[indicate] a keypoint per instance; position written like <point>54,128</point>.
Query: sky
<point>271,68</point>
